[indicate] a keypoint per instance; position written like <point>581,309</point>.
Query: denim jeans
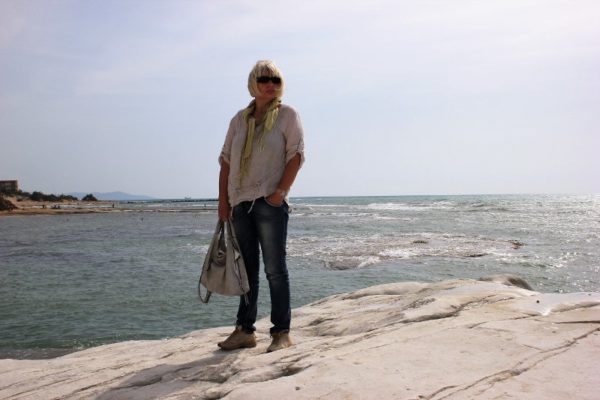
<point>260,223</point>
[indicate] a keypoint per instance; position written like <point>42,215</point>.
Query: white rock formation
<point>459,339</point>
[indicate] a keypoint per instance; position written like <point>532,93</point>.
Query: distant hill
<point>118,196</point>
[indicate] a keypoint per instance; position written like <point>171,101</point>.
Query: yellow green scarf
<point>269,120</point>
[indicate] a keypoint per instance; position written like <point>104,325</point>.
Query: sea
<point>69,282</point>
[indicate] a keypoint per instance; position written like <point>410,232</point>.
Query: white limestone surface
<point>458,339</point>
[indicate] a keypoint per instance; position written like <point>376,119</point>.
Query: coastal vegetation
<point>21,195</point>
<point>89,197</point>
<point>39,196</point>
<point>17,199</point>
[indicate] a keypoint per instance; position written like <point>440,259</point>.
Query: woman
<point>263,151</point>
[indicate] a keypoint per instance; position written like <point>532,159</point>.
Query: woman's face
<point>268,86</point>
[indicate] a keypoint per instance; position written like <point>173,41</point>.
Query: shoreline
<point>79,211</point>
<point>28,207</point>
<point>454,339</point>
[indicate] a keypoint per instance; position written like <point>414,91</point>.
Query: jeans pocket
<point>271,204</point>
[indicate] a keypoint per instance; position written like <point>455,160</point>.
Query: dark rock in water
<point>509,280</point>
<point>516,244</point>
<point>339,265</point>
<point>420,241</point>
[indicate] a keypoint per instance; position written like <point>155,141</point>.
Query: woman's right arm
<point>224,207</point>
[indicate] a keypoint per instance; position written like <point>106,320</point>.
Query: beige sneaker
<point>281,340</point>
<point>238,340</point>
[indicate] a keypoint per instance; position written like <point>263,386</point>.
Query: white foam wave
<point>356,251</point>
<point>391,206</point>
<point>397,253</point>
<point>441,205</point>
<point>197,249</point>
<point>341,262</point>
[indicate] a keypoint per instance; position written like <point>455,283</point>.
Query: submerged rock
<point>458,339</point>
<point>510,280</point>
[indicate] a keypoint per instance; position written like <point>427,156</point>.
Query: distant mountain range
<point>112,196</point>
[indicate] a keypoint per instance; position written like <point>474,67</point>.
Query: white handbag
<point>224,271</point>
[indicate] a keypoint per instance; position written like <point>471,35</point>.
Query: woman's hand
<point>275,199</point>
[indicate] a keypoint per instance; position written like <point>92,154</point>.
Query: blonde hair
<point>264,68</point>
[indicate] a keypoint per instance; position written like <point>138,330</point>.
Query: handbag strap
<point>218,231</point>
<point>236,246</point>
<point>203,299</point>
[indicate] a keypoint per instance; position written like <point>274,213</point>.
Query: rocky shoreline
<point>28,207</point>
<point>31,207</point>
<point>457,339</point>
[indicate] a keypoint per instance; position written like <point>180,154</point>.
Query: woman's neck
<point>261,106</point>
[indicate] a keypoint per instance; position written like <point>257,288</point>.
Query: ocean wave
<point>197,249</point>
<point>442,205</point>
<point>356,251</point>
<point>487,208</point>
<point>391,206</point>
<point>342,263</point>
<point>389,218</point>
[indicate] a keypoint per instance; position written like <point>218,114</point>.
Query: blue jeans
<point>261,223</point>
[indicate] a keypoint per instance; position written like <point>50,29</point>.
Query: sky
<point>396,97</point>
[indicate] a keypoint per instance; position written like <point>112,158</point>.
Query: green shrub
<point>89,197</point>
<point>39,196</point>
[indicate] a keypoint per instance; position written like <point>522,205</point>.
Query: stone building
<point>9,186</point>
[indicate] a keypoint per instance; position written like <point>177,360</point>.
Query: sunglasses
<point>264,79</point>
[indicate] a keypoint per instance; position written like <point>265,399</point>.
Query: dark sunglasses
<point>264,79</point>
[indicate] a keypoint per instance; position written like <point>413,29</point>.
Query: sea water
<point>68,282</point>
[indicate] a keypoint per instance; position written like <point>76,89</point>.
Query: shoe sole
<point>244,346</point>
<point>269,350</point>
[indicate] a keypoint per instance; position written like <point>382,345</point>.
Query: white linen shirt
<point>268,160</point>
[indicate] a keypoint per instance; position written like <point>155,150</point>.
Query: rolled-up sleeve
<point>226,150</point>
<point>294,138</point>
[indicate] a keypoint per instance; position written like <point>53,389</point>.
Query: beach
<point>30,207</point>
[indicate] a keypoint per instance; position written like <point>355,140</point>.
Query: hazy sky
<point>396,97</point>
